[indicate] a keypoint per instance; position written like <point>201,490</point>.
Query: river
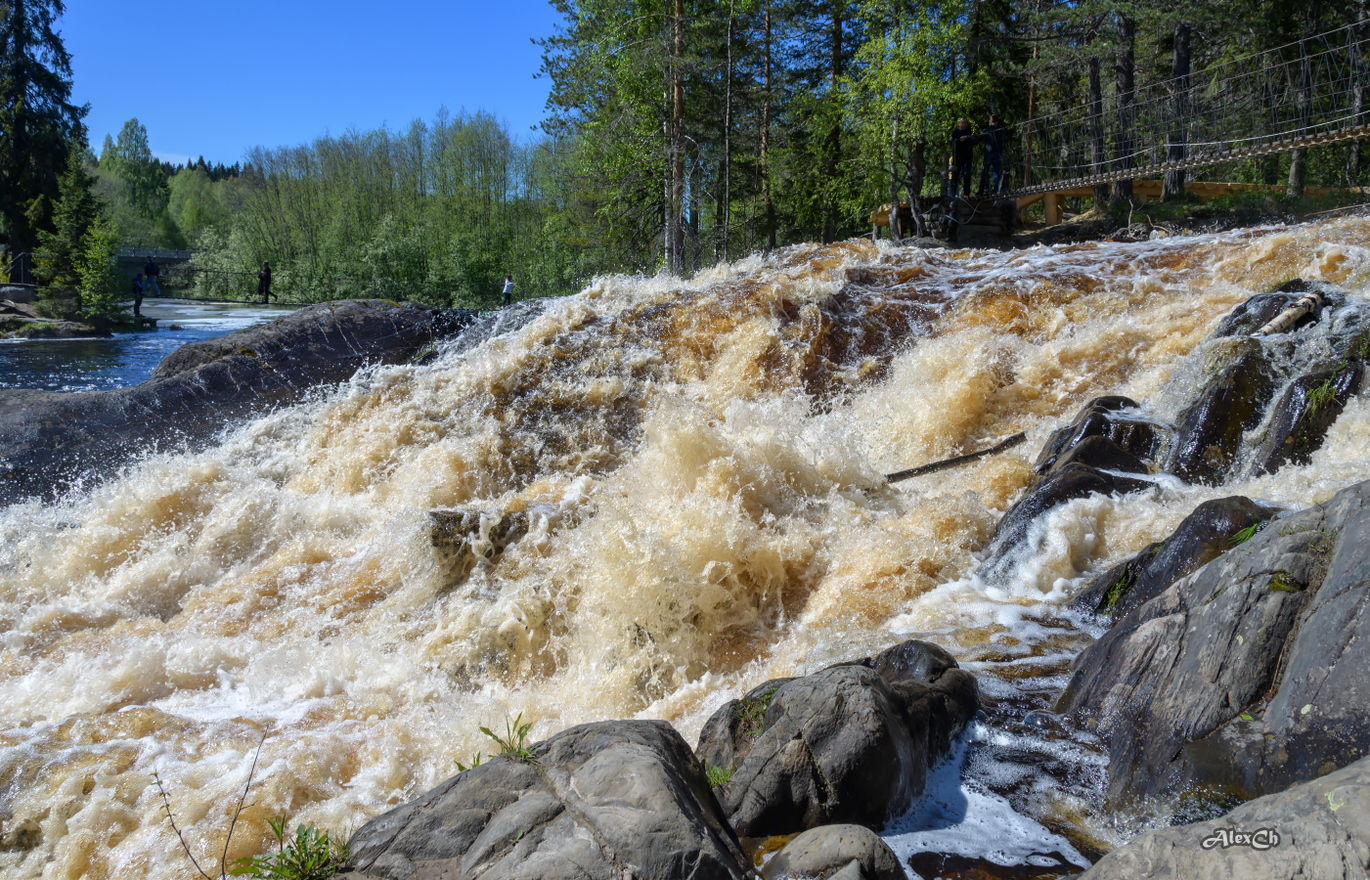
<point>701,463</point>
<point>126,358</point>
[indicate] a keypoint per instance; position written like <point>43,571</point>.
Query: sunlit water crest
<point>701,463</point>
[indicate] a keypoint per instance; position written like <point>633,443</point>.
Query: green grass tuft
<point>514,744</point>
<point>310,855</point>
<point>718,776</point>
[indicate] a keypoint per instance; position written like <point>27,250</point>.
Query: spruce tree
<point>76,209</point>
<point>37,119</point>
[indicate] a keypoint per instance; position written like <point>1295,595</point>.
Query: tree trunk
<point>918,168</point>
<point>1298,162</point>
<point>678,139</point>
<point>1096,131</point>
<point>727,139</point>
<point>767,204</point>
<point>1125,70</point>
<point>1176,149</point>
<point>895,229</point>
<point>834,145</point>
<point>1357,93</point>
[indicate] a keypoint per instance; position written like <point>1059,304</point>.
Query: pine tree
<point>37,119</point>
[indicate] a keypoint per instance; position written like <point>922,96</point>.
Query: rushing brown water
<point>701,463</point>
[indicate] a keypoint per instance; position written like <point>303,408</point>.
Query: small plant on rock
<point>514,743</point>
<point>310,855</point>
<point>1244,535</point>
<point>718,776</point>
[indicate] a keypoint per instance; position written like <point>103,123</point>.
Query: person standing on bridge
<point>264,283</point>
<point>138,295</point>
<point>962,156</point>
<point>994,137</point>
<point>151,271</point>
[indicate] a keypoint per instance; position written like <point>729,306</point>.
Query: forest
<point>677,133</point>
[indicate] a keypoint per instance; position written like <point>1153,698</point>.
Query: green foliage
<point>1283,582</point>
<point>749,716</point>
<point>718,776</point>
<point>310,855</point>
<point>1323,395</point>
<point>1246,534</point>
<point>75,211</point>
<point>38,122</point>
<point>514,743</point>
<point>462,768</point>
<point>99,286</point>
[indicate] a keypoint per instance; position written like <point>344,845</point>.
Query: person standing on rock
<point>963,142</point>
<point>508,289</point>
<point>994,137</point>
<point>151,270</point>
<point>138,295</point>
<point>264,283</point>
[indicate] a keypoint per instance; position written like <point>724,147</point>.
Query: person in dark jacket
<point>138,295</point>
<point>963,142</point>
<point>264,283</point>
<point>994,137</point>
<point>150,272</point>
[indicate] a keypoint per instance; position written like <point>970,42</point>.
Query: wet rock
<point>1320,829</point>
<point>849,744</point>
<point>1209,433</point>
<point>1303,414</point>
<point>1101,454</point>
<point>1099,418</point>
<point>1069,481</point>
<point>1248,675</point>
<point>56,441</point>
<point>1260,309</point>
<point>825,851</point>
<point>1207,533</point>
<point>462,538</point>
<point>613,799</point>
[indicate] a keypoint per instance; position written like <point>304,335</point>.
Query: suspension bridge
<point>1308,93</point>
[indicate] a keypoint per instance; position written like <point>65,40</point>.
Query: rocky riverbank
<point>20,321</point>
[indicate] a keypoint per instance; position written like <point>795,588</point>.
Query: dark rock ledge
<point>52,441</point>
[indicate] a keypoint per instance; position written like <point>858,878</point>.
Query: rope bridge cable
<point>1304,94</point>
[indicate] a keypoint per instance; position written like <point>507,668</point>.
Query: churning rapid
<point>699,468</point>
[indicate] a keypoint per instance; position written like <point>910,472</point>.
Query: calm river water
<point>127,358</point>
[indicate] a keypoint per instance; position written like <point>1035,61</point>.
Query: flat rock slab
<point>610,800</point>
<point>1319,830</point>
<point>49,442</point>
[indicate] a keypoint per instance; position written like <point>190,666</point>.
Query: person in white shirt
<point>508,289</point>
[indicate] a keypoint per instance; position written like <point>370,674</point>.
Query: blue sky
<point>215,79</point>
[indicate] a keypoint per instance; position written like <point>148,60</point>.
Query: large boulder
<point>1248,675</point>
<point>1209,431</point>
<point>1103,417</point>
<point>1304,413</point>
<point>610,800</point>
<point>850,744</point>
<point>1208,532</point>
<point>1260,309</point>
<point>52,441</point>
<point>832,851</point>
<point>1320,829</point>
